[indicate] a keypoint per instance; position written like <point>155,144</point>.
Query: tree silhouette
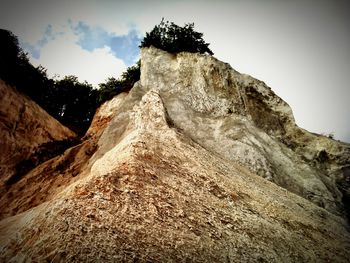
<point>173,38</point>
<point>109,89</point>
<point>16,69</point>
<point>74,103</point>
<point>131,75</point>
<point>113,86</point>
<point>71,102</point>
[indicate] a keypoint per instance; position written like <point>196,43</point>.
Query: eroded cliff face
<point>242,119</point>
<point>188,166</point>
<point>24,128</point>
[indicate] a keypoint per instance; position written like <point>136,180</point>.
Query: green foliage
<point>113,87</point>
<point>108,90</point>
<point>71,102</point>
<point>173,38</point>
<point>11,56</point>
<point>131,75</point>
<point>16,69</point>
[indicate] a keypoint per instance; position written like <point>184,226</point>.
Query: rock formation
<point>24,129</point>
<point>241,119</point>
<point>197,163</point>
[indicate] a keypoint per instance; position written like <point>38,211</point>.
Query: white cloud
<point>63,56</point>
<point>29,19</point>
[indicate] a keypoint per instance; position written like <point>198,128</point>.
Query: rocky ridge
<point>197,163</point>
<point>241,119</point>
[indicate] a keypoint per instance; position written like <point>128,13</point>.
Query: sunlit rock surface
<point>197,163</point>
<point>241,119</point>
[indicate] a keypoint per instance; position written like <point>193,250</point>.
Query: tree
<point>131,76</point>
<point>173,38</point>
<point>74,103</point>
<point>71,102</point>
<point>11,55</point>
<point>109,89</point>
<point>16,70</point>
<point>113,87</point>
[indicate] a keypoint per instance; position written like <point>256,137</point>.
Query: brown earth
<point>24,129</point>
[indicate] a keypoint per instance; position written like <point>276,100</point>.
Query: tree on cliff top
<point>113,86</point>
<point>173,38</point>
<point>16,70</point>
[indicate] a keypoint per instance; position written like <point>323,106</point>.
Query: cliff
<point>24,129</point>
<point>241,119</point>
<point>196,163</point>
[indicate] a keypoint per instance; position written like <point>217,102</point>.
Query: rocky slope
<point>197,163</point>
<point>25,129</point>
<point>241,119</point>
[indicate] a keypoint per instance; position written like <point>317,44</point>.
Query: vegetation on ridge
<point>68,100</point>
<point>72,102</point>
<point>173,38</point>
<point>113,86</point>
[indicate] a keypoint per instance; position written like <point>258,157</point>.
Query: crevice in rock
<point>43,153</point>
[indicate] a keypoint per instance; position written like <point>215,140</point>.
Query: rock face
<point>198,163</point>
<point>24,127</point>
<point>104,115</point>
<point>241,119</point>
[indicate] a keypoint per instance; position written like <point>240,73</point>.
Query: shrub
<point>113,87</point>
<point>16,70</point>
<point>73,103</point>
<point>173,38</point>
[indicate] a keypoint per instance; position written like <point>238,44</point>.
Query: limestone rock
<point>104,114</point>
<point>197,163</point>
<point>241,119</point>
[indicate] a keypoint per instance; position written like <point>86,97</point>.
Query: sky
<point>300,48</point>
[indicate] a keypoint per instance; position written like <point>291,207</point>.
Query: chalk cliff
<point>197,163</point>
